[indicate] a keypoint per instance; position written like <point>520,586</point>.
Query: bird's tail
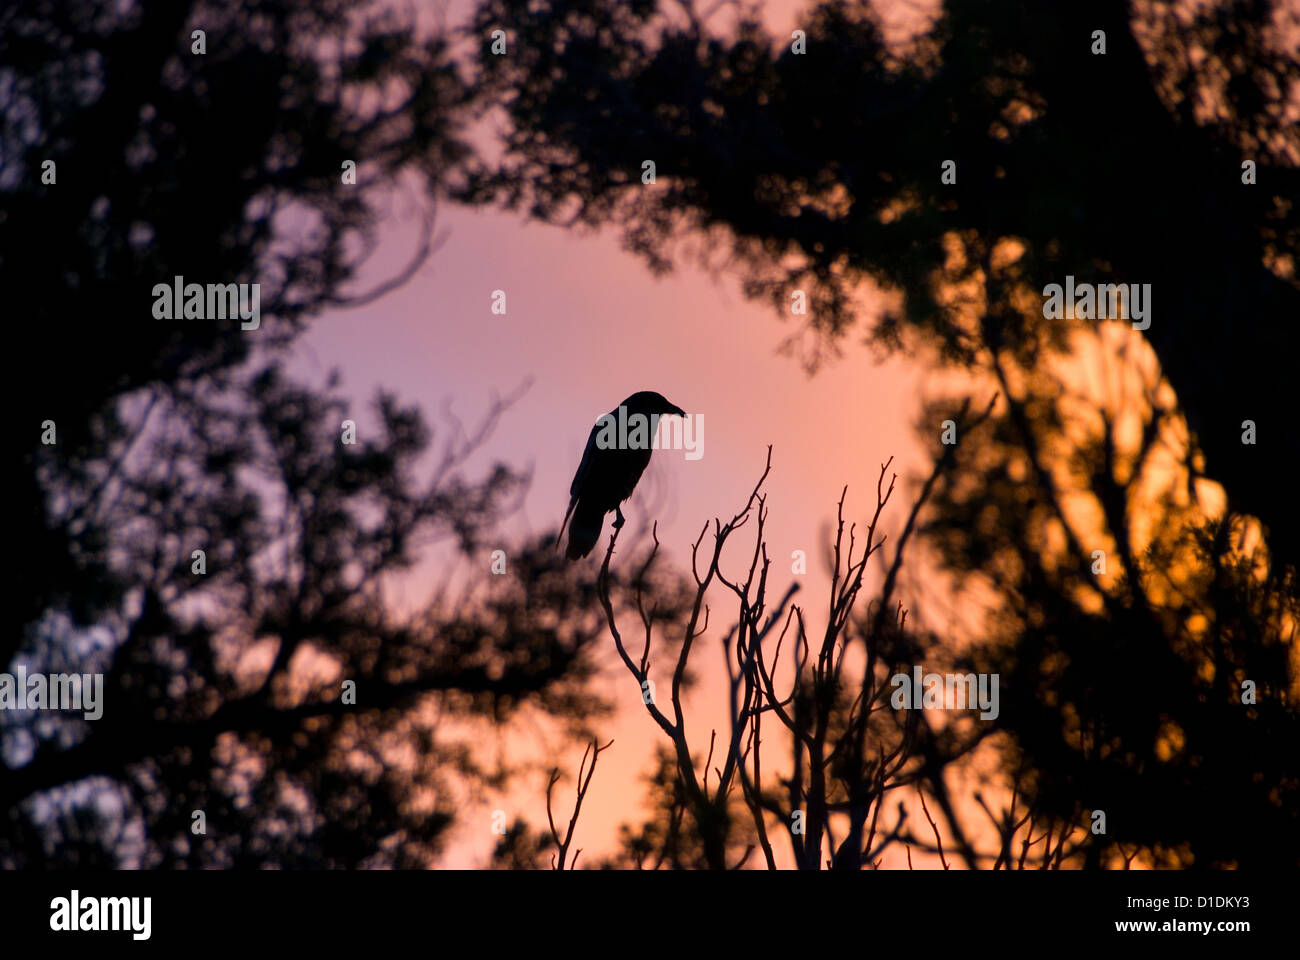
<point>573,502</point>
<point>584,531</point>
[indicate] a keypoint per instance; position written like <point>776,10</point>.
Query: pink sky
<point>590,325</point>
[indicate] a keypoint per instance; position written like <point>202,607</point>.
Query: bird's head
<point>648,402</point>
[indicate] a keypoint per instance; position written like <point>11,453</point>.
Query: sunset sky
<point>590,325</point>
<point>304,612</point>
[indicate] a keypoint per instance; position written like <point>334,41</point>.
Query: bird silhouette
<point>617,453</point>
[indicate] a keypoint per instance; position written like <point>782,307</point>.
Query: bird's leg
<point>618,517</point>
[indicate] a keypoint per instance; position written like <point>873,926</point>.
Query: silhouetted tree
<point>128,156</point>
<point>848,745</point>
<point>822,170</point>
<point>225,673</point>
<point>1146,645</point>
<point>127,159</point>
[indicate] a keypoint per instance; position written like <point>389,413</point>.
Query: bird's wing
<point>579,478</point>
<point>585,466</point>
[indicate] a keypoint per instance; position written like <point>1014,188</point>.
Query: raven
<point>608,472</point>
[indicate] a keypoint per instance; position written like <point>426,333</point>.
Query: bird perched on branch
<point>618,451</point>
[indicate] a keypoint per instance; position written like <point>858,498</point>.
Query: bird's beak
<point>676,412</point>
